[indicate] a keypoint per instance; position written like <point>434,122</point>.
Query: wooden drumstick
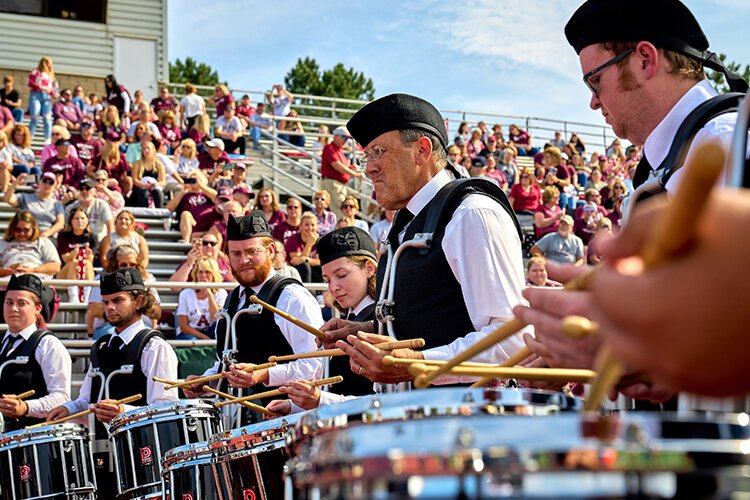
<point>671,234</point>
<point>512,361</point>
<point>252,406</point>
<point>578,327</point>
<point>209,378</point>
<point>385,346</point>
<point>546,374</point>
<point>513,326</point>
<point>276,392</point>
<point>123,401</point>
<point>289,317</point>
<point>391,361</point>
<point>23,395</point>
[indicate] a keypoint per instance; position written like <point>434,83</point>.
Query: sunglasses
<point>126,264</point>
<point>207,243</point>
<point>86,188</point>
<point>348,206</point>
<point>21,229</point>
<point>320,198</point>
<point>48,181</point>
<point>292,207</point>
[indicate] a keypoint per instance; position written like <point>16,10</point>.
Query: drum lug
<point>384,311</point>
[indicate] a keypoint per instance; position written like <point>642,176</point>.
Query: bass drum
<point>50,462</point>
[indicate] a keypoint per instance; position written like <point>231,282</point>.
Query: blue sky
<point>473,55</point>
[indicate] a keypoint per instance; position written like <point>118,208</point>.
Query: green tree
<point>307,78</point>
<point>193,72</point>
<point>718,78</point>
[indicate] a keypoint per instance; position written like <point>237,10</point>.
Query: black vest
<point>428,302</point>
<point>16,379</point>
<point>109,360</point>
<point>353,383</point>
<point>258,336</point>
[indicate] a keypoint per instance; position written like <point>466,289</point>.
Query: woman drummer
<point>48,369</point>
<point>349,260</point>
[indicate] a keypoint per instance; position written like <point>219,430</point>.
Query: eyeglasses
<point>320,198</point>
<point>207,243</point>
<point>48,181</point>
<point>248,252</point>
<point>375,153</point>
<point>100,180</point>
<point>293,207</point>
<point>86,188</point>
<point>348,206</point>
<point>593,84</point>
<point>21,229</point>
<point>120,265</point>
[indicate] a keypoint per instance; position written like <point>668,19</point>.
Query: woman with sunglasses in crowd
<point>124,234</point>
<point>48,213</point>
<point>119,258</point>
<point>349,210</point>
<point>196,307</point>
<point>205,246</point>
<point>22,250</point>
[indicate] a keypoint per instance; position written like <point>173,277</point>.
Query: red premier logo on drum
<point>248,494</point>
<point>147,458</point>
<point>24,471</point>
<point>187,496</point>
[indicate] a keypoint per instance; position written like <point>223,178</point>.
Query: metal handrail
<point>162,285</point>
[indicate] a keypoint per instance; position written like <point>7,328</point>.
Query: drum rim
<point>186,453</point>
<point>52,433</point>
<point>161,412</point>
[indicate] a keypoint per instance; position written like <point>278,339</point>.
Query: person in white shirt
<point>379,230</point>
<point>125,299</point>
<point>196,307</point>
<point>349,260</point>
<point>48,370</point>
<point>473,274</point>
<point>230,130</point>
<point>281,100</point>
<point>251,251</point>
<point>192,106</point>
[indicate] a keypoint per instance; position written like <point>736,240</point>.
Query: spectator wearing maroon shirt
<point>221,99</point>
<point>73,169</point>
<point>548,213</point>
<point>269,205</point>
<point>164,102</point>
<point>475,145</point>
<point>117,96</point>
<point>87,146</point>
<point>336,170</point>
<point>209,219</point>
<point>113,162</point>
<point>231,209</point>
<point>521,140</point>
<point>284,230</point>
<point>525,196</point>
<point>213,157</point>
<point>192,203</point>
<point>109,123</point>
<point>245,110</point>
<point>169,130</point>
<point>301,252</point>
<point>66,113</point>
<point>588,215</point>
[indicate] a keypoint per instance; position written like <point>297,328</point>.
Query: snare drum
<point>249,461</point>
<point>53,461</point>
<point>188,474</point>
<point>142,436</point>
<point>533,455</point>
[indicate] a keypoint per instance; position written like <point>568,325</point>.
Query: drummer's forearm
<point>301,369</point>
<point>38,408</point>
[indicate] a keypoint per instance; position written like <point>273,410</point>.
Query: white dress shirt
<point>483,250</point>
<point>158,360</point>
<point>55,362</point>
<point>300,303</point>
<point>659,141</point>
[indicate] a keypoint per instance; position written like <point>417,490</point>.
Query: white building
<point>87,40</point>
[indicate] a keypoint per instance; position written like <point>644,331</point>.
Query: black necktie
<point>642,172</point>
<point>403,217</point>
<point>248,293</point>
<point>351,316</point>
<point>116,343</point>
<point>8,343</point>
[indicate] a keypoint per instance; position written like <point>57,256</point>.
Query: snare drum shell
<point>46,462</point>
<point>142,436</point>
<point>188,474</point>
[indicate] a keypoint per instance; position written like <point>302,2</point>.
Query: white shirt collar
<point>130,332</point>
<point>25,333</point>
<point>428,191</point>
<point>362,304</point>
<point>660,139</point>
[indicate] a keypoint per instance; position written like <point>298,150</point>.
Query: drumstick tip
<point>388,360</point>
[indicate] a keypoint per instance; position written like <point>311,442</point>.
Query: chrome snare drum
<point>249,461</point>
<point>188,474</point>
<point>51,462</point>
<point>537,455</point>
<point>323,442</point>
<point>142,436</point>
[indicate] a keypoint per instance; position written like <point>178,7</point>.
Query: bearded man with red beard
<point>251,252</point>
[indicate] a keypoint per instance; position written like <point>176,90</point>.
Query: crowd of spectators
<point>107,154</point>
